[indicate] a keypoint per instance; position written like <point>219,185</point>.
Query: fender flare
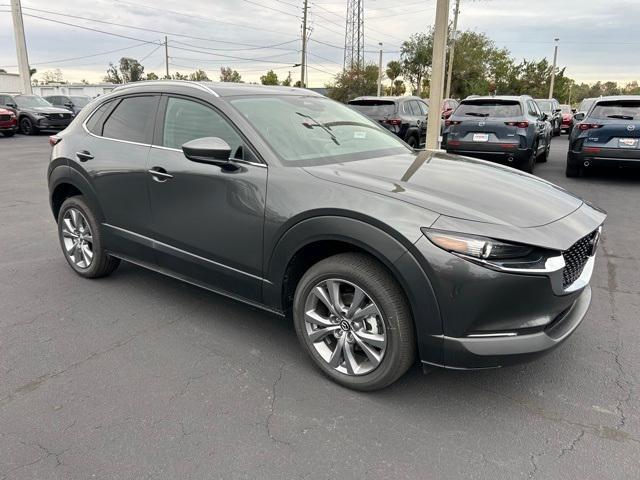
<point>61,173</point>
<point>397,256</point>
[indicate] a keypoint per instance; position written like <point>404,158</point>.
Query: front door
<point>207,219</point>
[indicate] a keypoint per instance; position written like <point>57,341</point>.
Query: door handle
<point>159,174</point>
<point>83,156</point>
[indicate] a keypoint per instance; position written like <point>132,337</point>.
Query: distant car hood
<point>44,110</point>
<point>4,111</point>
<point>458,187</point>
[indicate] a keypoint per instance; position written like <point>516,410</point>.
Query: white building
<point>10,83</point>
<point>93,90</point>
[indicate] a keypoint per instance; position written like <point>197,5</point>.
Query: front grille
<point>58,116</point>
<point>4,118</point>
<point>575,258</point>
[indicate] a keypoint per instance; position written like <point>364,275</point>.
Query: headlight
<point>477,247</point>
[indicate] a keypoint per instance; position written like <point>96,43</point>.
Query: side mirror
<point>12,105</point>
<point>579,116</point>
<point>557,110</point>
<point>208,150</point>
<point>573,110</point>
<point>68,104</point>
<point>544,117</point>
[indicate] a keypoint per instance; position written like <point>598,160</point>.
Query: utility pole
<point>452,50</point>
<point>21,47</point>
<point>437,74</point>
<point>380,71</point>
<point>553,72</point>
<point>303,62</point>
<point>166,54</point>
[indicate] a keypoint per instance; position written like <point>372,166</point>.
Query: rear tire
<point>389,328</point>
<point>87,256</point>
<point>531,162</point>
<point>545,156</point>
<point>573,171</point>
<point>412,141</point>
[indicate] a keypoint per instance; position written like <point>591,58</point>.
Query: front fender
<point>396,256</point>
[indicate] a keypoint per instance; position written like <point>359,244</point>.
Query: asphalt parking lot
<point>140,376</point>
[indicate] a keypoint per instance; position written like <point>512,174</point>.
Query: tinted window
<point>532,108</point>
<point>586,104</point>
<point>409,109</point>
<point>424,109</point>
<point>132,120</point>
<point>490,108</point>
<point>94,124</point>
<point>187,120</point>
<point>622,110</point>
<point>374,108</point>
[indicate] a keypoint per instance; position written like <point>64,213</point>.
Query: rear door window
<point>490,108</point>
<point>132,120</point>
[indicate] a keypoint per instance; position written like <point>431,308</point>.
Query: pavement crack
<point>572,445</point>
<point>273,397</point>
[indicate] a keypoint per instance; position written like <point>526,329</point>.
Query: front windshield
<point>80,101</point>
<point>303,129</point>
<point>31,101</point>
<point>545,105</point>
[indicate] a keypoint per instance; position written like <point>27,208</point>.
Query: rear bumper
<point>606,157</point>
<point>498,351</point>
<point>492,153</point>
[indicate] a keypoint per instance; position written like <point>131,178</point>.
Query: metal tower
<point>354,35</point>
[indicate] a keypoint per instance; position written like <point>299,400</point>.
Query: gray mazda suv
<point>293,203</point>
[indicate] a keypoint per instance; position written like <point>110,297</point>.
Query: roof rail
<point>183,83</point>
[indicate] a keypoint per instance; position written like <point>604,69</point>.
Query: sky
<point>598,39</point>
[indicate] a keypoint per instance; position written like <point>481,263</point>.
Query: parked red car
<point>8,122</point>
<point>567,118</point>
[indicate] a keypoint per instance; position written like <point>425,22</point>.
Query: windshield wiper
<point>476,114</point>
<point>621,117</point>
<point>322,126</point>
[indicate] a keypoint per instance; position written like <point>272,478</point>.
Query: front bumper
<point>49,124</point>
<point>497,350</point>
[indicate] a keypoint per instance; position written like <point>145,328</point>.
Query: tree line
<point>479,67</point>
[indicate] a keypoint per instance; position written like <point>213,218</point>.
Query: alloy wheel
<point>345,327</point>
<point>77,238</point>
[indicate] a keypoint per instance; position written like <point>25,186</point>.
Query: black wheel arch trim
<point>397,256</point>
<point>60,172</point>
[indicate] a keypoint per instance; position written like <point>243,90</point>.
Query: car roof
<point>515,98</point>
<point>388,98</point>
<point>218,89</point>
<point>613,98</point>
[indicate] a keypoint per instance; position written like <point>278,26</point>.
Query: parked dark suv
<point>609,135</point>
<point>301,206</point>
<point>510,130</point>
<point>73,103</point>
<point>554,113</point>
<point>35,113</point>
<point>404,116</point>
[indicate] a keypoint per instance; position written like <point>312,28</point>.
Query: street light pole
<point>21,47</point>
<point>380,71</point>
<point>553,71</point>
<point>454,37</point>
<point>166,56</point>
<point>303,62</point>
<point>437,74</point>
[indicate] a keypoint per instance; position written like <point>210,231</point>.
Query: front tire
<point>81,240</point>
<point>573,171</point>
<point>27,127</point>
<point>353,319</point>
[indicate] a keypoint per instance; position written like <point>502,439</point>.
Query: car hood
<point>45,110</point>
<point>458,187</point>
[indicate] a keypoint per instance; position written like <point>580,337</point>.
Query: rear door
<point>114,155</point>
<point>615,128</point>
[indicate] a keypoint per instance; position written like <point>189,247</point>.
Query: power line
<point>107,22</point>
<point>274,9</point>
<point>264,47</point>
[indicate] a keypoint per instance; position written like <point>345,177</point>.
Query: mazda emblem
<point>631,128</point>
